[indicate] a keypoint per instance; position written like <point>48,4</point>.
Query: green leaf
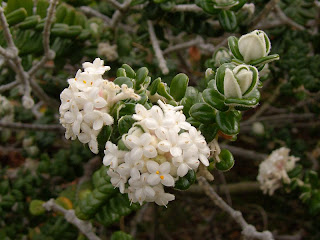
<point>123,80</point>
<point>234,47</point>
<point>121,72</point>
<point>186,181</point>
<point>16,16</point>
<point>312,178</point>
<point>154,86</point>
<point>250,101</point>
<point>179,86</point>
<point>207,6</point>
<point>119,235</point>
<point>265,60</point>
<point>228,122</point>
<point>314,206</point>
<point>238,6</point>
<point>130,72</point>
<point>163,90</point>
<point>104,136</point>
<point>61,12</point>
<point>193,122</point>
<point>226,160</point>
<point>228,20</point>
<point>202,112</point>
<point>13,5</point>
<point>141,75</point>
<point>127,109</point>
<point>30,22</point>
<point>42,6</point>
<point>214,99</point>
<point>119,205</point>
<point>125,123</point>
<point>191,97</point>
<point>296,171</point>
<point>209,131</point>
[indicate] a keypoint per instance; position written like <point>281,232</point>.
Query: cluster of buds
<point>161,147</point>
<point>273,171</point>
<point>86,103</point>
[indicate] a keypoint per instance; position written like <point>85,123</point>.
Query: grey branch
<point>264,13</point>
<point>115,4</point>
<point>244,153</point>
<point>232,188</point>
<point>186,8</point>
<point>288,20</point>
<point>8,86</point>
<point>119,13</point>
<point>6,53</point>
<point>84,226</point>
<point>156,48</point>
<point>92,12</point>
<point>248,230</point>
<point>197,41</point>
<point>48,54</point>
<point>32,127</point>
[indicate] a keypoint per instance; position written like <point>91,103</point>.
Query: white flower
<point>254,45</point>
<point>162,147</point>
<point>112,156</point>
<point>159,173</point>
<point>141,146</point>
<point>142,188</point>
<point>273,170</point>
<point>162,198</point>
<point>97,67</point>
<point>117,180</point>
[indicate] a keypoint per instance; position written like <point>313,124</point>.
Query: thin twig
<point>198,40</point>
<point>116,17</point>
<point>248,230</point>
<point>232,188</point>
<point>155,44</point>
<point>84,226</point>
<point>6,53</point>
<point>32,127</point>
<point>267,104</point>
<point>244,153</point>
<point>48,53</point>
<point>288,20</point>
<point>92,12</point>
<point>264,13</point>
<point>8,86</point>
<point>115,4</point>
<point>186,8</point>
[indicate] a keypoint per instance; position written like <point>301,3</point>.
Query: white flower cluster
<point>162,147</point>
<point>86,103</point>
<point>273,170</point>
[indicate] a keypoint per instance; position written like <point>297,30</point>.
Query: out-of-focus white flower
<point>162,147</point>
<point>107,50</point>
<point>86,103</point>
<point>273,171</point>
<point>6,110</point>
<point>258,128</point>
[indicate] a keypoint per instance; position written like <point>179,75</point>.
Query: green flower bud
<point>240,81</point>
<point>36,207</point>
<point>254,45</point>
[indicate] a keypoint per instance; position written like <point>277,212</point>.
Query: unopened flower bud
<point>254,45</point>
